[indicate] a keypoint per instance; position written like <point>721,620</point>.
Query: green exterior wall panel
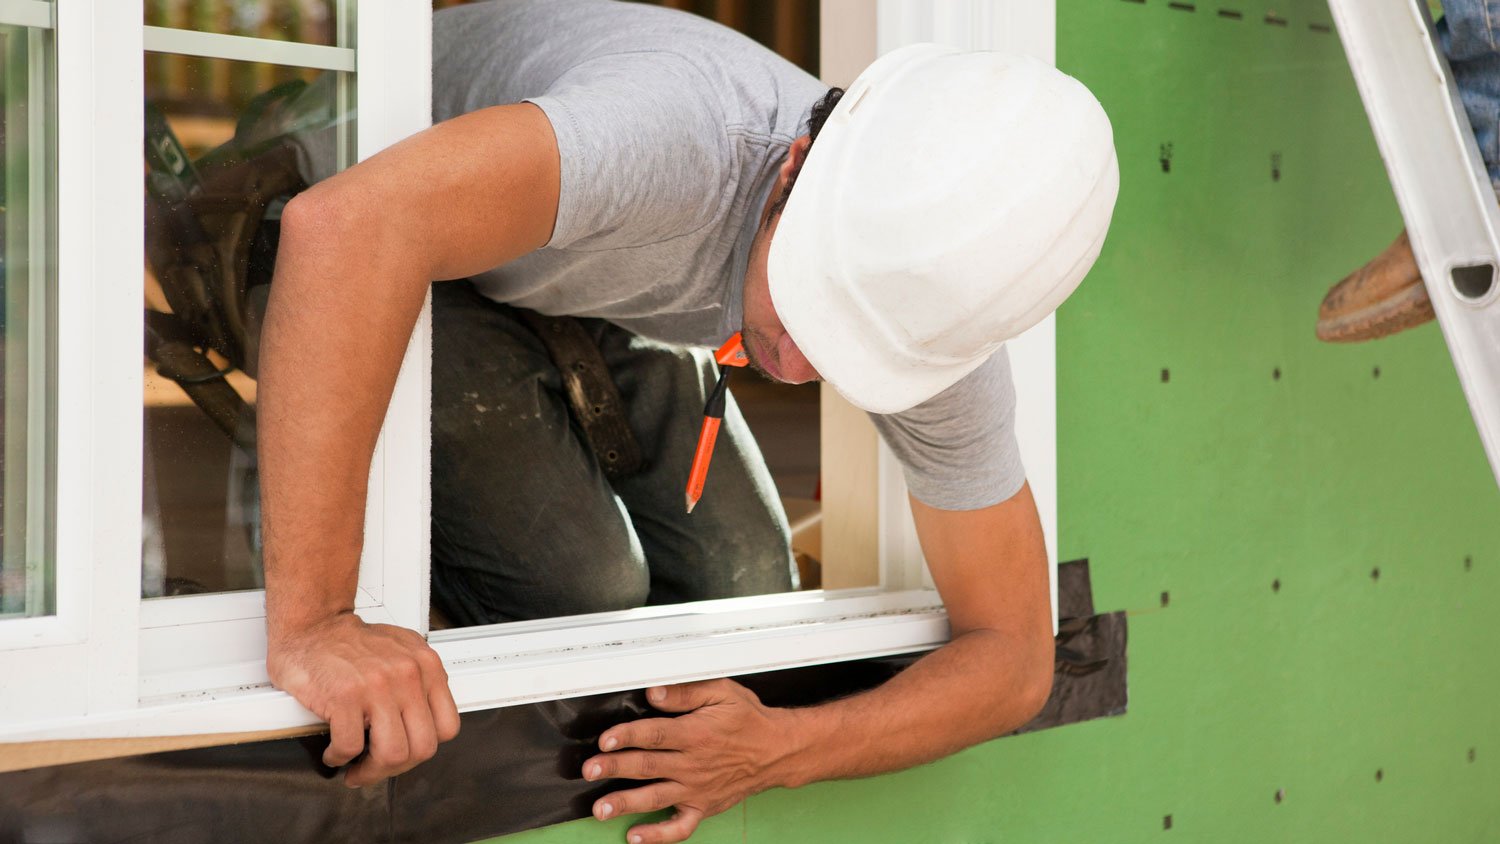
<point>1223,479</point>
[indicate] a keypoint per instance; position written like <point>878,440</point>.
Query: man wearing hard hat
<point>673,183</point>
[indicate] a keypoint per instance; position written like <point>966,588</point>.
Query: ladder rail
<point>1440,183</point>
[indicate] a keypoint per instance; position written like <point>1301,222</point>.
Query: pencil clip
<point>732,353</point>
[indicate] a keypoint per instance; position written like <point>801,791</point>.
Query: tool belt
<point>213,252</point>
<point>591,392</point>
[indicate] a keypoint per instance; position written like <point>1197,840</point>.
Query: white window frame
<point>219,685</point>
<point>104,650</point>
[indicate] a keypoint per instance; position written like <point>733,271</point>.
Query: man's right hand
<point>359,676</point>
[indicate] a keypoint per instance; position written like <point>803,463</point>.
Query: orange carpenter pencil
<point>699,475</point>
<point>731,354</point>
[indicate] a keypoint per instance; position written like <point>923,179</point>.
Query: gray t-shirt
<point>670,129</point>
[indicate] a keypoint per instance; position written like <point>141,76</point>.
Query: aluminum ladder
<point>1440,183</point>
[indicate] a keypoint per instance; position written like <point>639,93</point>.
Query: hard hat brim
<point>856,364</point>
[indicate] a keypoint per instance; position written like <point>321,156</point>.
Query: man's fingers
<point>388,748</point>
<point>421,733</point>
<point>686,697</point>
<point>346,737</point>
<point>647,734</point>
<point>444,710</point>
<point>633,765</point>
<point>647,798</point>
<point>679,827</point>
<point>368,676</point>
<point>439,696</point>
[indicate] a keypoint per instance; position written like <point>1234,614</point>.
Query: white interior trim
<point>213,45</point>
<point>36,14</point>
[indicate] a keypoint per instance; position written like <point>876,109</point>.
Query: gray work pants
<point>524,522</point>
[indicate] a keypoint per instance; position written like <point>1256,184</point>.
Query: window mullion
<point>99,126</point>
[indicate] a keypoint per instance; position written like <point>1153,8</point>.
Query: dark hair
<point>815,120</point>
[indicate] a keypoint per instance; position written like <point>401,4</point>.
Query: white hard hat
<point>951,202</point>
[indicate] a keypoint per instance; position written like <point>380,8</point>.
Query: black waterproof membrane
<point>509,770</point>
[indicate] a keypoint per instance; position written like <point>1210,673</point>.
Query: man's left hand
<point>726,747</point>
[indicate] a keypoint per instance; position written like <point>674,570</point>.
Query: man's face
<point>769,347</point>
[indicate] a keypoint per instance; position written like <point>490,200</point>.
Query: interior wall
<point>790,27</point>
<point>1304,534</point>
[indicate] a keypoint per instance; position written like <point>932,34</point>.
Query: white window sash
<point>83,659</point>
<point>87,661</point>
<point>391,84</point>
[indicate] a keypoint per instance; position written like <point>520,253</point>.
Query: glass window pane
<point>306,21</point>
<point>227,144</point>
<point>26,573</point>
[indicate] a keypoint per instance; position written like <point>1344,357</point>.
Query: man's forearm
<point>975,688</point>
<point>356,256</point>
<point>991,567</point>
<point>342,307</point>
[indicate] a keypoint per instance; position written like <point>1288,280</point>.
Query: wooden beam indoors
<point>42,754</point>
<point>850,443</point>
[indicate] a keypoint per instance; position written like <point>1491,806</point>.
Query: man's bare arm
<point>356,256</point>
<point>995,674</point>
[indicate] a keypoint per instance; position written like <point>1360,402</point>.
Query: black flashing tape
<point>509,770</point>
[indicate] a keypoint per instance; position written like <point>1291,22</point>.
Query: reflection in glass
<point>26,575</point>
<point>305,21</point>
<point>222,159</point>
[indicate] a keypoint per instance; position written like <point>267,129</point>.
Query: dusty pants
<point>525,524</point>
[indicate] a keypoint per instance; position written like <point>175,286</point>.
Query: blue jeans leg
<point>1470,35</point>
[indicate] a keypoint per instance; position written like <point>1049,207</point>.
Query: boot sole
<point>1408,310</point>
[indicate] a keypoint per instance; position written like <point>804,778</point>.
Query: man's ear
<point>794,156</point>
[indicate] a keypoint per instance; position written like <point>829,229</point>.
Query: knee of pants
<point>761,551</point>
<point>735,551</point>
<point>558,571</point>
<point>590,578</point>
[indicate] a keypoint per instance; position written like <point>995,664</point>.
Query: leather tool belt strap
<point>591,392</point>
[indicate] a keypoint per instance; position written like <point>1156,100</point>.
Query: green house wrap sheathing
<point>1307,536</point>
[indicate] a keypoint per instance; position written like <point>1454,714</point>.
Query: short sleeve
<point>644,152</point>
<point>958,450</point>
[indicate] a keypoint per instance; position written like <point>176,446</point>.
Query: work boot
<point>1377,300</point>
